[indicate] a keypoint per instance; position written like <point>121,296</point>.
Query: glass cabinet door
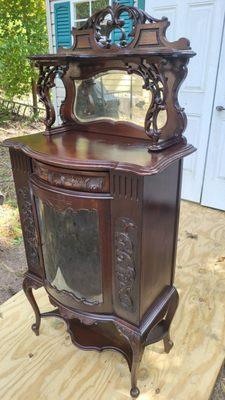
<point>70,241</point>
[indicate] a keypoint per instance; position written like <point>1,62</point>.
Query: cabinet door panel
<point>72,233</point>
<point>70,247</point>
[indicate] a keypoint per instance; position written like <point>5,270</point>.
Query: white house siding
<point>58,91</point>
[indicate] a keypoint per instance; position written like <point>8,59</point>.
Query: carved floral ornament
<point>161,64</point>
<point>125,261</point>
<point>29,227</point>
<point>73,181</point>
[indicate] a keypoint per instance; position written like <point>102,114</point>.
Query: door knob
<point>220,108</point>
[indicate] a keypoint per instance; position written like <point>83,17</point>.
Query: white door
<point>201,21</point>
<point>213,194</point>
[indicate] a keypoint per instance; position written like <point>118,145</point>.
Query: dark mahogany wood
<point>105,168</point>
<point>161,64</point>
<point>102,152</point>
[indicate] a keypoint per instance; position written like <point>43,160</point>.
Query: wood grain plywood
<point>49,367</point>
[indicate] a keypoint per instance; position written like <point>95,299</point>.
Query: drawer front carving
<point>97,182</point>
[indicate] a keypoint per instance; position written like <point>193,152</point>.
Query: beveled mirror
<point>114,95</point>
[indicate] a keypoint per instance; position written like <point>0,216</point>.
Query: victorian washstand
<point>99,195</point>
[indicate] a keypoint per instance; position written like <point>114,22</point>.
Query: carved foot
<point>137,347</point>
<point>35,328</point>
<point>168,344</point>
<point>137,350</point>
<point>134,392</point>
<point>28,285</point>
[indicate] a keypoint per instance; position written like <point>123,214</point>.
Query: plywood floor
<point>49,367</point>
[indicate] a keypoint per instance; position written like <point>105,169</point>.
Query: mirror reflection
<point>114,95</point>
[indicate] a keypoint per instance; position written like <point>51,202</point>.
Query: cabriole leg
<point>28,285</point>
<point>137,348</point>
<point>137,352</point>
<point>168,344</point>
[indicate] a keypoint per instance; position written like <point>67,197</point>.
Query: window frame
<point>72,10</point>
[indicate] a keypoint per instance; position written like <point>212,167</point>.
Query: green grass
<point>10,229</point>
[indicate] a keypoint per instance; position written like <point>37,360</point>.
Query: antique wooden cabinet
<point>99,195</point>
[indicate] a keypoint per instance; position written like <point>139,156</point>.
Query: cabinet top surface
<point>97,151</point>
<point>77,57</point>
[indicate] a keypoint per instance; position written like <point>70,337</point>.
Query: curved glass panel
<point>70,248</point>
<point>114,95</point>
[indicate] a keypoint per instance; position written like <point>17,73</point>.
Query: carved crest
<point>111,18</point>
<point>96,33</point>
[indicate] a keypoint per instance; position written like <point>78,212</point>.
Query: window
<point>85,8</point>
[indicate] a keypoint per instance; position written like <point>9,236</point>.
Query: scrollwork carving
<point>153,81</point>
<point>46,82</point>
<point>29,230</point>
<point>77,182</point>
<point>111,15</point>
<point>145,51</point>
<point>125,261</point>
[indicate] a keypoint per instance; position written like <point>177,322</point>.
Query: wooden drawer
<point>82,181</point>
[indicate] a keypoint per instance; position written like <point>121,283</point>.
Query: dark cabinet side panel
<point>161,204</point>
<point>126,217</point>
<point>21,165</point>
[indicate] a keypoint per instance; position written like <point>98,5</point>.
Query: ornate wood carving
<point>146,30</point>
<point>146,52</point>
<point>111,18</point>
<point>155,82</point>
<point>46,81</point>
<point>125,261</point>
<point>128,271</point>
<point>29,230</point>
<point>75,181</point>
